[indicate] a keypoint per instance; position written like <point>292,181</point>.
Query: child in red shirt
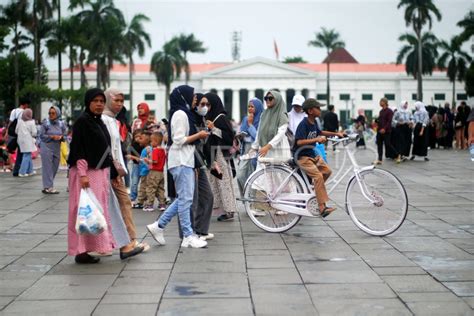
<point>155,184</point>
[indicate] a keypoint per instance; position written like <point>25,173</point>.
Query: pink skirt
<point>99,184</point>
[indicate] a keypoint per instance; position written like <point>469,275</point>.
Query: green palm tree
<point>418,14</point>
<point>135,39</point>
<point>408,54</point>
<point>457,61</point>
<point>167,65</point>
<point>4,31</point>
<point>468,24</point>
<point>13,16</point>
<point>57,45</point>
<point>330,40</point>
<point>294,60</point>
<point>188,43</point>
<point>101,20</point>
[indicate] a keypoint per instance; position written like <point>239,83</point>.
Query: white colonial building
<point>353,86</point>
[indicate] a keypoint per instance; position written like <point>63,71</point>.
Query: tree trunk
<point>454,92</point>
<point>97,79</point>
<point>130,79</point>
<point>71,68</point>
<point>60,66</point>
<point>36,45</point>
<point>16,66</point>
<point>186,69</point>
<point>419,76</point>
<point>328,90</point>
<point>82,56</point>
<point>167,95</point>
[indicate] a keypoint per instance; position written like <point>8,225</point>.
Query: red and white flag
<point>275,47</point>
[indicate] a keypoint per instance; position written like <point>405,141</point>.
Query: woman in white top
<point>271,140</point>
<point>183,136</point>
<point>26,131</point>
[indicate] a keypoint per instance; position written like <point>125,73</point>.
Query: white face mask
<point>202,110</point>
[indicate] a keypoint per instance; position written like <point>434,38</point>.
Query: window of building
<point>321,96</point>
<point>414,97</point>
<point>440,96</point>
<point>344,97</point>
<point>461,97</point>
<point>367,97</point>
<point>150,97</point>
<point>344,118</point>
<point>390,96</point>
<point>126,97</point>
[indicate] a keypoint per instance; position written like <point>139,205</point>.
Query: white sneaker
<point>209,236</point>
<point>157,233</point>
<point>259,213</point>
<point>193,241</point>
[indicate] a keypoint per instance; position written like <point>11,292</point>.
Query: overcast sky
<point>370,29</point>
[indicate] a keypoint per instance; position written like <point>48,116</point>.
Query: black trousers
<point>19,159</point>
<point>385,139</point>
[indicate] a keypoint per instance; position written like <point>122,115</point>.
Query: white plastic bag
<point>90,219</point>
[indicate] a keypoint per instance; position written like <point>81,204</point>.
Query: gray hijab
<point>271,119</point>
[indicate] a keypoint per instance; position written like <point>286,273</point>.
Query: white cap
<point>298,100</point>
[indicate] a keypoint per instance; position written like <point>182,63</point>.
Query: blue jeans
<point>135,178</point>
<point>26,164</point>
<point>184,180</point>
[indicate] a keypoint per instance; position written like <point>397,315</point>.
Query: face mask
<point>202,110</point>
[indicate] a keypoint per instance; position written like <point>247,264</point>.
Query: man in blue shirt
<point>307,136</point>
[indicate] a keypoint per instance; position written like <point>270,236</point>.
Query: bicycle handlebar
<point>350,138</point>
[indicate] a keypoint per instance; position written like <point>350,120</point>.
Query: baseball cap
<point>297,100</point>
<point>311,103</point>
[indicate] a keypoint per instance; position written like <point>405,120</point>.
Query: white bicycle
<point>278,195</point>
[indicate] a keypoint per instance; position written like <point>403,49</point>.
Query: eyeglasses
<point>269,98</point>
<point>204,103</point>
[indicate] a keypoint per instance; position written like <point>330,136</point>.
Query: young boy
<point>155,182</point>
<point>134,155</point>
<point>306,136</point>
<point>143,169</point>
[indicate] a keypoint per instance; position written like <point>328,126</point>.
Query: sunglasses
<point>270,98</point>
<point>204,103</point>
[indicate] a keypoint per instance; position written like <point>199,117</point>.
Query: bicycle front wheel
<point>388,208</point>
<point>261,189</point>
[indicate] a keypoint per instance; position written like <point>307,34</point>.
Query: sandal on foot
<point>326,211</point>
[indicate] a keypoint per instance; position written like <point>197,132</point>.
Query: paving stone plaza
<point>317,268</point>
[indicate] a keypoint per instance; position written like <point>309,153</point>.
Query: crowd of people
<point>184,166</point>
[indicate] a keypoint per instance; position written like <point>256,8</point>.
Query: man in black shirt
<point>331,121</point>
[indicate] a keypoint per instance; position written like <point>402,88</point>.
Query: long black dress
<point>420,143</point>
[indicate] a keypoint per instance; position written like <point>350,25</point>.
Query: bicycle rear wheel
<point>389,209</point>
<point>262,185</point>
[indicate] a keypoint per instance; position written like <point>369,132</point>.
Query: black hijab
<point>90,138</point>
<point>198,119</point>
<point>216,106</point>
<point>181,98</point>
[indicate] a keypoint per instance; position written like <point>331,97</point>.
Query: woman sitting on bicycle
<point>271,140</point>
<point>307,135</point>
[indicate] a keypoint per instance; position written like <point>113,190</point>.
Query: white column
<point>298,92</point>
<point>312,93</point>
<point>220,93</point>
<point>251,94</point>
<point>236,105</point>
<point>283,94</point>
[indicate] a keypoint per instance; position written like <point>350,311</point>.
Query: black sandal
<point>85,258</point>
<point>327,210</point>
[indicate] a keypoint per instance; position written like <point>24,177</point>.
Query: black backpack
<point>12,128</point>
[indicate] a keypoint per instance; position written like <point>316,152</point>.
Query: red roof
<point>340,56</point>
<point>337,67</point>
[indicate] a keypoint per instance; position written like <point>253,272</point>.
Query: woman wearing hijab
<point>143,114</point>
<point>90,163</point>
<point>203,200</point>
<point>183,137</point>
<point>403,121</point>
<point>248,129</point>
<point>52,133</point>
<point>271,140</point>
<point>420,135</point>
<point>26,131</point>
<point>218,157</point>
